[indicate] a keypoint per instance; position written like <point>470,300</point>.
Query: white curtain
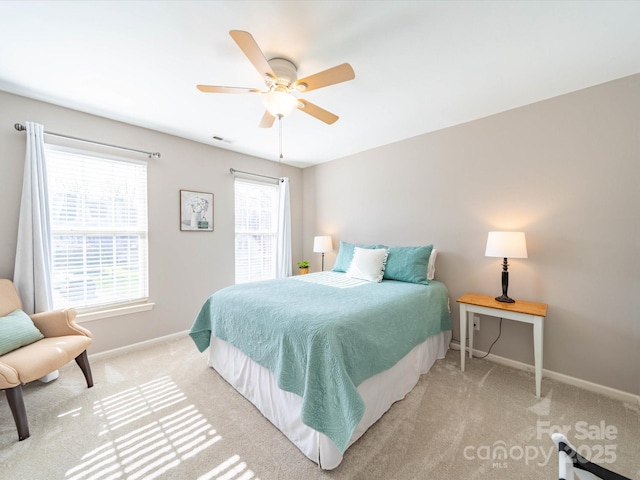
<point>32,272</point>
<point>283,246</point>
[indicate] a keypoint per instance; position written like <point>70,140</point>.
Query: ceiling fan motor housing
<point>286,72</point>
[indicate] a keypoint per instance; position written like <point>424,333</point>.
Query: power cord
<point>494,342</point>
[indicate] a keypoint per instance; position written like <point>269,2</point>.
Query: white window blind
<point>256,227</point>
<point>98,208</point>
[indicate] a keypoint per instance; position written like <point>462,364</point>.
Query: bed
<point>324,355</point>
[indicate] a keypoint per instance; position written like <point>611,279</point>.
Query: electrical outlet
<point>476,322</point>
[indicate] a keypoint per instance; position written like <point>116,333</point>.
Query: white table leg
<point>537,351</point>
<point>470,327</point>
<point>463,335</point>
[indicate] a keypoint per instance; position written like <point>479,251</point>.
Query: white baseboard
<point>576,382</point>
<point>560,377</point>
<point>135,346</point>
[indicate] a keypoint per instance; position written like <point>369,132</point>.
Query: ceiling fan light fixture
<point>279,103</point>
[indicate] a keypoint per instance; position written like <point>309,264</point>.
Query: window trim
<point>123,309</point>
<point>87,314</point>
<point>273,233</point>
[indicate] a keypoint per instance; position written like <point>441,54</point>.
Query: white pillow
<point>368,264</point>
<point>431,266</point>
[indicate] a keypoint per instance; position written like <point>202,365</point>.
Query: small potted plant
<point>304,267</point>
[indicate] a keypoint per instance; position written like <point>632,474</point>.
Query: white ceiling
<point>420,65</point>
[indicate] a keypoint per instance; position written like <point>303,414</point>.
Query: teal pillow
<point>17,330</point>
<point>408,264</point>
<point>345,255</point>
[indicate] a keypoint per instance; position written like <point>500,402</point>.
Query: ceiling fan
<point>280,76</point>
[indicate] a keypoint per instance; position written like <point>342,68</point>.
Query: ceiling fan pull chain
<point>280,134</point>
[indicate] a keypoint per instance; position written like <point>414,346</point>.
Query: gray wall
<point>565,171</point>
<point>184,267</point>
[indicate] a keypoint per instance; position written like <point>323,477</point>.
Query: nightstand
<point>520,311</point>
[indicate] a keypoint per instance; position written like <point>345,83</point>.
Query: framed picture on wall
<point>196,211</point>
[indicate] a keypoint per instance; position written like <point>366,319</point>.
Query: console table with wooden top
<point>520,311</point>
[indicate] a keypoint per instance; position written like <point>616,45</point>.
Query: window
<point>256,219</point>
<point>98,211</point>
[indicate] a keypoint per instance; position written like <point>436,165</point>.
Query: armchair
<point>63,341</point>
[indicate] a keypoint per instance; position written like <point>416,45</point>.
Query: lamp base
<point>505,299</point>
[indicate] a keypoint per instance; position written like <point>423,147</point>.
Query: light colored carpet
<point>160,412</point>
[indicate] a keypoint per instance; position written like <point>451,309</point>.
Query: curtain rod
<point>233,170</point>
<point>22,128</point>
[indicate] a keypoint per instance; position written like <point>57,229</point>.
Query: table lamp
<point>506,245</point>
<point>322,244</point>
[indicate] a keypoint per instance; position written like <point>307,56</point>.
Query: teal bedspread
<point>321,342</point>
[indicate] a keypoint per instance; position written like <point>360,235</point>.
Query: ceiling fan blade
<point>334,75</point>
<point>248,45</point>
<point>315,111</point>
<point>267,120</point>
<point>218,89</point>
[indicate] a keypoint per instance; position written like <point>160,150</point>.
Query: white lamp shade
<point>506,245</point>
<point>279,103</point>
<point>322,244</point>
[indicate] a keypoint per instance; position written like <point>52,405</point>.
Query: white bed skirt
<point>379,392</point>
